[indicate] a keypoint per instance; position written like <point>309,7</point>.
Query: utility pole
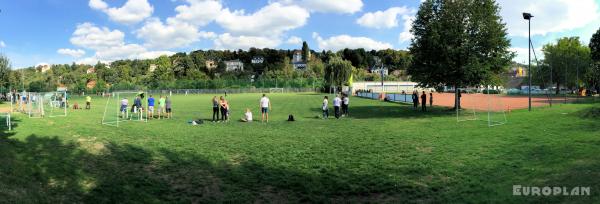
<point>528,16</point>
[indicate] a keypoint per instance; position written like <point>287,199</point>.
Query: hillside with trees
<point>207,69</point>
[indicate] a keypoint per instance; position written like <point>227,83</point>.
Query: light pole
<point>528,16</point>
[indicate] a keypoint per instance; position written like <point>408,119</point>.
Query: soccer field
<point>382,153</point>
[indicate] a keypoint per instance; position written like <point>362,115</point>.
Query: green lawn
<point>383,153</point>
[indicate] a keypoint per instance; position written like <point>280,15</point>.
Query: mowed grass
<point>383,153</point>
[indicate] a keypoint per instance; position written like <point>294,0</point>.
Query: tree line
<point>189,70</point>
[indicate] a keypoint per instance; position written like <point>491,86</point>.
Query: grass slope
<point>384,153</point>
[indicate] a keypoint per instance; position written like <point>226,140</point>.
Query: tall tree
<point>305,51</point>
<point>337,72</point>
<point>567,58</point>
<point>4,72</point>
<point>593,76</point>
<point>459,43</point>
<point>595,46</point>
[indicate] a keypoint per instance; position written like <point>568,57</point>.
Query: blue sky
<point>87,31</point>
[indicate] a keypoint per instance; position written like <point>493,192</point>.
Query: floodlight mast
<point>528,16</point>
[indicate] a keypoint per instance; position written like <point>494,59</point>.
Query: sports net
<point>125,107</point>
<point>34,105</point>
<point>56,104</point>
<point>276,90</point>
<point>487,106</point>
<point>6,121</point>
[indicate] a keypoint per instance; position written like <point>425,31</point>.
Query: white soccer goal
<point>490,110</point>
<point>34,105</point>
<point>122,108</point>
<point>56,104</point>
<point>276,90</point>
<point>7,118</point>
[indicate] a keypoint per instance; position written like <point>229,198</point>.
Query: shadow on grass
<point>50,170</point>
<point>395,111</point>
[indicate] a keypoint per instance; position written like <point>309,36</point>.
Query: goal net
<point>125,107</point>
<point>486,107</point>
<point>6,121</point>
<point>276,90</point>
<point>56,104</point>
<point>34,105</point>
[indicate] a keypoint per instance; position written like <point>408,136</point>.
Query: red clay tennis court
<point>492,102</point>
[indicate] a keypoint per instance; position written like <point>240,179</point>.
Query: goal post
<point>468,114</point>
<point>125,107</point>
<point>35,105</point>
<point>6,121</point>
<point>56,103</point>
<point>276,90</point>
<point>487,107</point>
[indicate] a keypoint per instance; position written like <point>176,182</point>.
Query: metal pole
<point>529,72</point>
<point>382,79</point>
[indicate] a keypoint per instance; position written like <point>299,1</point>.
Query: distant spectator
<point>88,102</point>
<point>345,104</point>
<point>337,103</point>
<point>431,99</point>
<point>424,102</point>
<point>247,116</point>
<point>415,99</point>
<point>325,107</point>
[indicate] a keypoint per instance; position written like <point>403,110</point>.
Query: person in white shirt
<point>123,109</point>
<point>337,103</point>
<point>247,116</point>
<point>345,103</point>
<point>326,107</point>
<point>265,104</point>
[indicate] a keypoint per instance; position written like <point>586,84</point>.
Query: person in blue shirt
<point>150,107</point>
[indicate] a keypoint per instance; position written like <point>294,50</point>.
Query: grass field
<point>383,153</point>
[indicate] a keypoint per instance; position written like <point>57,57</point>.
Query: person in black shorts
<point>424,102</point>
<point>215,109</point>
<point>168,109</point>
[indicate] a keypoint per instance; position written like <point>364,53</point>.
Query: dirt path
<point>495,102</point>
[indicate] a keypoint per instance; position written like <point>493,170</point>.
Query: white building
<point>234,65</point>
<point>258,60</point>
<point>152,68</point>
<point>211,64</point>
<point>90,70</point>
<point>298,62</point>
<point>43,67</point>
<point>379,70</point>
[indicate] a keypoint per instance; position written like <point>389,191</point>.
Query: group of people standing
<point>221,106</point>
<point>415,99</point>
<point>164,107</point>
<point>340,106</point>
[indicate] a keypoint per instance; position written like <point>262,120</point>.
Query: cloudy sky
<point>87,31</point>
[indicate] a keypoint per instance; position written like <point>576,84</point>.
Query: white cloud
<point>182,29</point>
<point>549,15</point>
<point>327,6</point>
<point>271,20</point>
<point>108,45</point>
<point>2,44</point>
<point>70,52</point>
<point>406,35</point>
<point>87,35</point>
<point>294,40</point>
<point>133,11</point>
<point>522,54</point>
<point>383,19</point>
<point>208,35</point>
<point>340,42</point>
<point>153,54</point>
<point>174,34</point>
<point>198,12</point>
<point>227,41</point>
